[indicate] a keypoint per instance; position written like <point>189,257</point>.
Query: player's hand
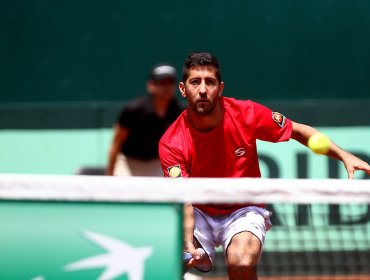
<point>353,163</point>
<point>196,255</point>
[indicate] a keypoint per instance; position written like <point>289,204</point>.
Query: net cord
<point>181,190</point>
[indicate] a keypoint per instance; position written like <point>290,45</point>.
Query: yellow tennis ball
<point>319,143</point>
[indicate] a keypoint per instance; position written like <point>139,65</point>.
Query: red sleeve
<point>172,161</point>
<point>271,126</point>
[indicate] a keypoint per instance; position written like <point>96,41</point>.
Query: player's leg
<point>243,239</point>
<point>242,256</point>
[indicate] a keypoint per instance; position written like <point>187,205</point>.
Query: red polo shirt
<point>229,150</point>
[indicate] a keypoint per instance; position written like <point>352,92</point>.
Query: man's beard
<point>203,107</point>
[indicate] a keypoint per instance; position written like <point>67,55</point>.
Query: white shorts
<point>212,232</point>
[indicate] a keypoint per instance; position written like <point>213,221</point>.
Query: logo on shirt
<point>239,152</point>
<point>174,171</point>
<point>278,118</point>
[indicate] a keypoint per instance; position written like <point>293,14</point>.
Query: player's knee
<point>242,262</point>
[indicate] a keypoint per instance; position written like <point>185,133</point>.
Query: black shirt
<point>145,126</point>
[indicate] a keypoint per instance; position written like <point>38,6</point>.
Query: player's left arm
<point>302,133</point>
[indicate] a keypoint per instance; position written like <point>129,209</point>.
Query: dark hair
<point>200,59</point>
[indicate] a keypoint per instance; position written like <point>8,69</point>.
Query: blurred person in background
<point>140,125</point>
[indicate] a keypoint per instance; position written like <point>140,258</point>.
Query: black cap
<point>162,71</point>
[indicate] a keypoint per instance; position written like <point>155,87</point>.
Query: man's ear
<point>150,86</point>
<point>222,85</point>
<point>182,89</point>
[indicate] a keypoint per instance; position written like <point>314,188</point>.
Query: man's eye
<point>211,82</point>
<point>194,82</point>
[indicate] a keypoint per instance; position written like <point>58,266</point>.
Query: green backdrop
<point>83,50</point>
<point>64,151</point>
<point>67,67</point>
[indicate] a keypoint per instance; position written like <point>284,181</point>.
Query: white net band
<point>194,190</point>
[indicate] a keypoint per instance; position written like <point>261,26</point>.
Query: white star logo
<point>121,258</point>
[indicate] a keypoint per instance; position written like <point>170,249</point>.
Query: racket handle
<point>186,256</point>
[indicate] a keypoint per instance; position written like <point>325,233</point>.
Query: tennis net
<point>318,239</point>
<point>321,228</point>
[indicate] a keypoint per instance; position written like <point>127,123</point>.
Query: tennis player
<point>216,137</point>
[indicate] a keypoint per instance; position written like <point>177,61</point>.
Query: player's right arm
<point>120,136</point>
<point>174,166</point>
<point>188,229</point>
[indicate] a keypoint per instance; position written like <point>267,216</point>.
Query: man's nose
<point>203,89</point>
